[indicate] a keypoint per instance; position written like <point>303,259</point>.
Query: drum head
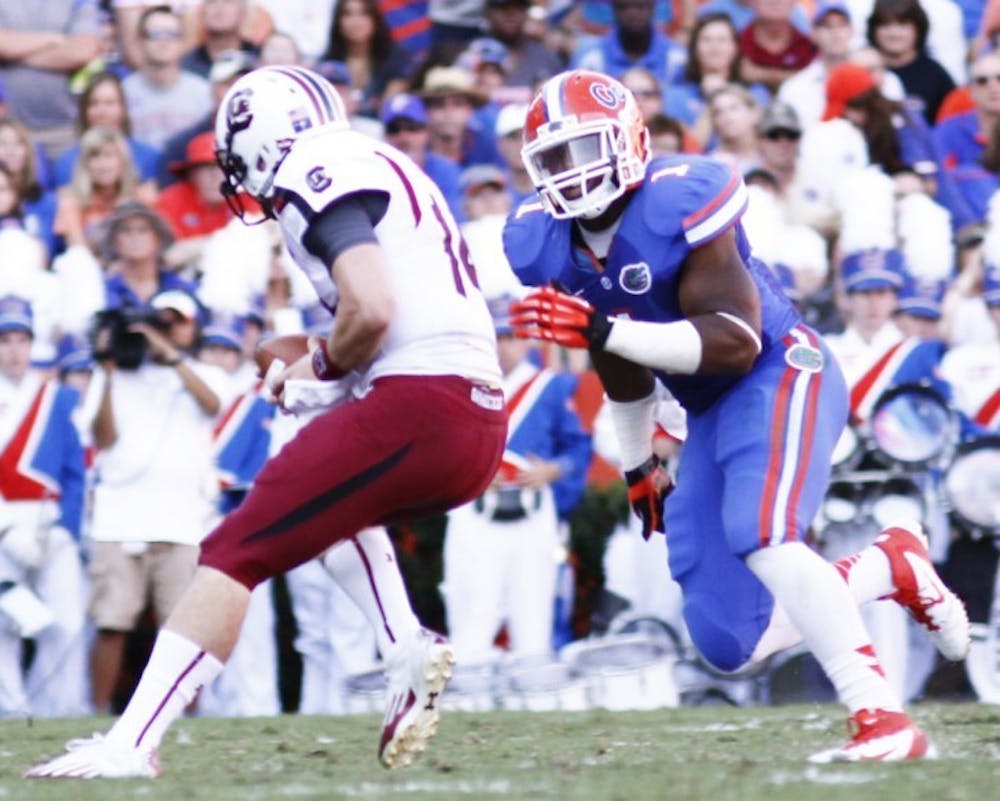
<point>973,485</point>
<point>912,426</point>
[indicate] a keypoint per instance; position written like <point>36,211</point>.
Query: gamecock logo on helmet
<point>238,114</point>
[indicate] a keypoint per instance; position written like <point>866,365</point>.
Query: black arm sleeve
<point>349,221</point>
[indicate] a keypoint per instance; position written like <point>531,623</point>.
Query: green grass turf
<point>689,754</point>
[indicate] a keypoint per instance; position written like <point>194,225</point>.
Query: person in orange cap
<point>194,206</point>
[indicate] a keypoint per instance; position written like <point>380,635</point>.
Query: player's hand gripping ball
<point>288,349</point>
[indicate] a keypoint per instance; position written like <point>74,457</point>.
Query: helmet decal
<point>606,95</point>
<point>238,114</point>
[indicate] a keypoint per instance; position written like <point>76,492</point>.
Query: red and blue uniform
<point>757,459</point>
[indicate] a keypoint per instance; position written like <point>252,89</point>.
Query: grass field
<point>688,754</point>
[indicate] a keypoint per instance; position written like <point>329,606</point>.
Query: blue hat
<point>500,312</point>
<point>483,51</point>
<point>991,286</point>
<point>74,353</point>
<point>875,268</point>
<point>225,330</point>
<point>921,298</point>
<point>335,72</point>
<point>15,315</point>
<point>825,7</point>
<point>404,106</point>
<point>317,320</point>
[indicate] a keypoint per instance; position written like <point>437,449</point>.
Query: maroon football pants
<point>414,446</point>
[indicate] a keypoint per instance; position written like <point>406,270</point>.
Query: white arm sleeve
<point>634,426</point>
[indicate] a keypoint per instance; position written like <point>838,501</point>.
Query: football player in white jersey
<point>420,426</point>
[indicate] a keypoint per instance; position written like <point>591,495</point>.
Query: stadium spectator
<point>409,23</point>
<point>713,60</point>
<point>226,69</point>
<point>18,152</point>
<point>404,117</point>
<point>279,48</point>
<point>41,510</point>
<point>773,49</point>
<point>734,113</point>
<point>832,33</point>
<point>899,30</point>
<point>666,135</point>
<point>779,132</point>
<point>162,97</point>
<point>969,142</point>
<point>633,41</point>
<point>360,38</point>
<point>103,177</point>
<point>455,23</point>
<point>127,18</point>
<point>134,240</point>
<point>306,21</point>
<point>221,24</point>
<point>153,499</point>
<point>193,207</point>
<point>451,99</point>
<point>501,550</point>
<point>509,132</point>
<point>339,76</point>
<point>486,60</point>
<point>898,140</point>
<point>102,105</point>
<point>647,90</point>
<point>39,50</point>
<point>527,60</point>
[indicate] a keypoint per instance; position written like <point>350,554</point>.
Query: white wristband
<point>671,347</point>
<point>634,426</point>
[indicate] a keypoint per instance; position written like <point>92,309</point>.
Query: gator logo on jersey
<point>238,114</point>
<point>606,95</point>
<point>318,180</point>
<point>805,358</point>
<point>635,279</point>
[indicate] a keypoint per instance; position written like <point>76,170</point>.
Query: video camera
<point>124,347</point>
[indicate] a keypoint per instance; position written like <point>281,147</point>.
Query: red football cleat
<point>880,736</point>
<point>921,592</point>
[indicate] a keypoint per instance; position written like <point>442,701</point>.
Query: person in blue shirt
<point>645,264</point>
<point>634,41</point>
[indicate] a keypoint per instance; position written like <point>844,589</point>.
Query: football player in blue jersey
<point>645,264</point>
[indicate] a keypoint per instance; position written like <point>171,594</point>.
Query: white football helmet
<point>585,143</point>
<point>258,122</point>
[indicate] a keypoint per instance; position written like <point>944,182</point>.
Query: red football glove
<point>648,487</point>
<point>546,313</point>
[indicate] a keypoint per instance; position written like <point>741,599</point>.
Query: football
<point>288,348</point>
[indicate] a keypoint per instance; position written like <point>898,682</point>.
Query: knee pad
<point>714,637</point>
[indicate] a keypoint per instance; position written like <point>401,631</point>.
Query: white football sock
<point>868,574</point>
<point>823,609</point>
<point>365,567</point>
<point>176,670</point>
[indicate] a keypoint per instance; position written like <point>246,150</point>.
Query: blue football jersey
<point>683,203</point>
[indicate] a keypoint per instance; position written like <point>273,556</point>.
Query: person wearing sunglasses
<point>162,97</point>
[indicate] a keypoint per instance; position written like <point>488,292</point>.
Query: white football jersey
<point>442,325</point>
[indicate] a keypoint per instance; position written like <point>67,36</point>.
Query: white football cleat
<point>878,735</point>
<point>97,757</point>
<point>417,676</point>
<point>921,592</point>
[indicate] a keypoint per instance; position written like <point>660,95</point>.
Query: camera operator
<point>155,489</point>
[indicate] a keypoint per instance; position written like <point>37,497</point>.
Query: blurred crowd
<point>131,299</point>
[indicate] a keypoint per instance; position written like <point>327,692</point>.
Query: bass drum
<point>625,671</point>
<point>913,427</point>
<point>473,688</point>
<point>973,486</point>
<point>365,693</point>
<point>541,685</point>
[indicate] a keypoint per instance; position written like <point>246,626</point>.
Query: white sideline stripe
<point>793,440</point>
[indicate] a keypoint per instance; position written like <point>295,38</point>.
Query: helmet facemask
<point>579,170</point>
